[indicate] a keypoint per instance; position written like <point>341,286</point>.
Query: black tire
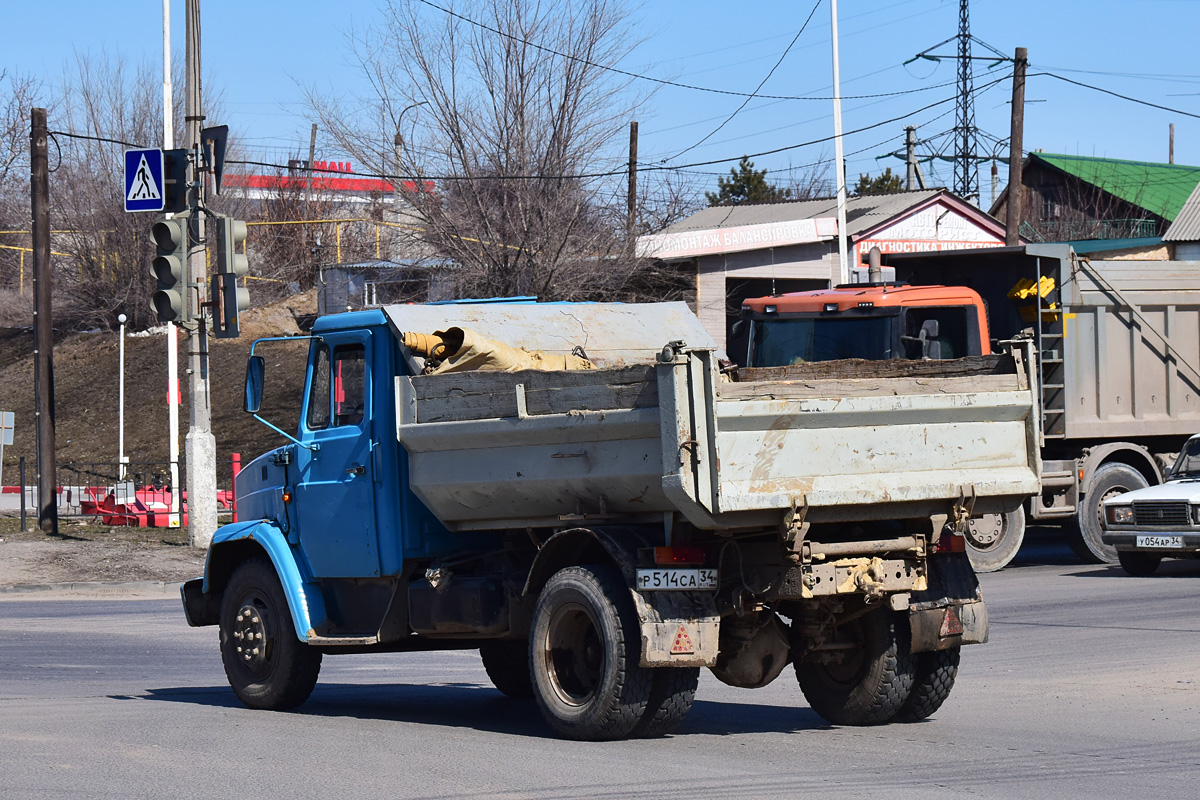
<point>267,666</point>
<point>994,539</point>
<point>933,678</point>
<point>672,691</point>
<point>871,682</point>
<point>1140,564</point>
<point>584,651</point>
<point>507,664</point>
<point>1083,532</point>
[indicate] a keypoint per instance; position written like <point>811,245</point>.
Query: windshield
<point>786,341</point>
<point>1188,463</point>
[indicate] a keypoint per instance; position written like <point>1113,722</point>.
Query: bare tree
<point>518,122</point>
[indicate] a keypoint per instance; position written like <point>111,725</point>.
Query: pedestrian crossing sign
<point>145,189</point>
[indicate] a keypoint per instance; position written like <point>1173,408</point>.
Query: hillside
<point>86,393</point>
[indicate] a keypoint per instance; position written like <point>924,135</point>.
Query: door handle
<point>357,469</point>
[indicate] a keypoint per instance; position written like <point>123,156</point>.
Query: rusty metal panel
<point>1132,349</point>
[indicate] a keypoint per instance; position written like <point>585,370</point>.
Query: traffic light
<point>170,269</point>
<point>175,164</point>
<point>227,297</point>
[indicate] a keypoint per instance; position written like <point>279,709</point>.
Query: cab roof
<point>878,296</point>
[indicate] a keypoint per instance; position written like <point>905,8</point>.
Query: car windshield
<point>1188,463</point>
<point>786,341</point>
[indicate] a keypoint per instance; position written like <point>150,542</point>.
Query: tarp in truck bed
<point>611,334</point>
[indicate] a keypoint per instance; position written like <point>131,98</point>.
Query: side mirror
<point>930,328</point>
<point>255,369</point>
<point>739,327</point>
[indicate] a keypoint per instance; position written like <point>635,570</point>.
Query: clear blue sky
<point>259,52</point>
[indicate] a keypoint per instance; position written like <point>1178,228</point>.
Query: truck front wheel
<point>267,666</point>
<point>863,674</point>
<point>994,539</point>
<point>1083,532</point>
<point>583,655</point>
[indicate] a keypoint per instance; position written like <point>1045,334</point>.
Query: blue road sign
<point>144,186</point>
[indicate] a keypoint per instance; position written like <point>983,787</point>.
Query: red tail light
<point>679,555</point>
<point>952,543</point>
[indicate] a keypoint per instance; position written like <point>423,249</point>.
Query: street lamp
<point>399,142</point>
<point>121,460</point>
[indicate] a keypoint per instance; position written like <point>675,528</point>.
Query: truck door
<point>334,492</point>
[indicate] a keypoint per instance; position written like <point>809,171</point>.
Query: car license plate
<point>1160,541</point>
<point>679,580</point>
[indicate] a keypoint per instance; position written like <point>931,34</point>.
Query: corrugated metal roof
<point>1158,188</point>
<point>1186,227</point>
<point>862,213</point>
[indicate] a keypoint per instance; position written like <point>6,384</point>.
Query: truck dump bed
<point>673,435</point>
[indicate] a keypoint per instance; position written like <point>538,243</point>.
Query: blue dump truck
<point>597,502</point>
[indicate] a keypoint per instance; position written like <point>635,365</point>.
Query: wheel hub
<point>251,638</point>
<point>574,655</point>
<point>984,531</point>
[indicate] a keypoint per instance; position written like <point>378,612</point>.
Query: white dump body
<point>509,450</point>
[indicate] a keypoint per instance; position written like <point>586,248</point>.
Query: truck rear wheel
<point>869,674</point>
<point>1139,564</point>
<point>1083,532</point>
<point>507,664</point>
<point>933,678</point>
<point>584,652</point>
<point>267,666</point>
<point>672,691</point>
<point>994,539</point>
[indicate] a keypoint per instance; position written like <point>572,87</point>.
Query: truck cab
<point>877,322</point>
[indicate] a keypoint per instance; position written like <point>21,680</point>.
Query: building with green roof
<point>1080,198</point>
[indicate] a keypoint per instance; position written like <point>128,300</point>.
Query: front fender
<point>234,544</point>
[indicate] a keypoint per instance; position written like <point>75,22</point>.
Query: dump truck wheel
<point>868,681</point>
<point>994,539</point>
<point>672,691</point>
<point>933,678</point>
<point>267,666</point>
<point>584,652</point>
<point>1139,564</point>
<point>507,664</point>
<point>1083,532</point>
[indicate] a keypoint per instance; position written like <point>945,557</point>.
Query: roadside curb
<point>162,587</point>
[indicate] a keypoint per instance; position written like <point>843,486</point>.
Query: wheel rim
<point>846,670</point>
<point>253,638</point>
<point>983,532</point>
<point>574,654</point>
<point>1115,491</point>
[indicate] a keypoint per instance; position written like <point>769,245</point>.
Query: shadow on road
<point>485,709</point>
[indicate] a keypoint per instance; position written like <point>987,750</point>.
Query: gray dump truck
<point>586,495</point>
<point>1118,372</point>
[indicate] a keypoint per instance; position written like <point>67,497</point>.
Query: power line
<point>1116,94</point>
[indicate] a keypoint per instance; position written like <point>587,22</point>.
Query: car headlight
<point>1119,515</point>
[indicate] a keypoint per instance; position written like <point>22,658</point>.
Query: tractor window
<point>952,331</point>
<point>318,393</point>
<point>349,385</point>
<point>786,341</point>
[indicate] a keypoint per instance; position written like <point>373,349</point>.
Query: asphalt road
<point>1088,688</point>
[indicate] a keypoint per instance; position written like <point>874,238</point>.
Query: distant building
<point>1184,233</point>
<point>745,251</point>
<point>1100,205</point>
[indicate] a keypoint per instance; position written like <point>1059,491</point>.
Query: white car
<point>1158,522</point>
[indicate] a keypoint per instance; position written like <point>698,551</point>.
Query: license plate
<point>680,580</point>
<point>1160,541</point>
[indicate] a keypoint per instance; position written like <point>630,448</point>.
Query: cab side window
<point>349,385</point>
<point>318,394</point>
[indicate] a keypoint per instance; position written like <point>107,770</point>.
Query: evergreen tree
<point>746,185</point>
<point>885,183</point>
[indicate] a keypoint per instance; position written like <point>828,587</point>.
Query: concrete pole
<point>839,164</point>
<point>200,446</point>
<point>631,199</point>
<point>43,323</point>
<point>173,519</point>
<point>121,402</point>
<point>910,156</point>
<point>1016,150</point>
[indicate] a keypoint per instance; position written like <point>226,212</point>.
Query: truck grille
<point>1158,514</point>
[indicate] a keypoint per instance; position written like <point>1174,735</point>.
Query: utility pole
<point>1171,146</point>
<point>916,179</point>
<point>966,170</point>
<point>43,322</point>
<point>631,201</point>
<point>201,446</point>
<point>175,517</point>
<point>838,160</point>
<point>312,155</point>
<point>1016,150</point>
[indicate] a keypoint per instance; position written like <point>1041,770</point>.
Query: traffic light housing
<point>175,188</point>
<point>169,268</point>
<point>228,299</point>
